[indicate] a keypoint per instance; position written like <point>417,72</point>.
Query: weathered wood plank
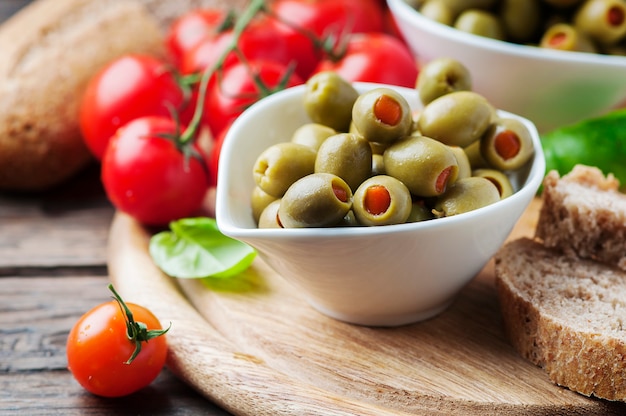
<point>36,314</point>
<point>50,393</point>
<point>64,227</point>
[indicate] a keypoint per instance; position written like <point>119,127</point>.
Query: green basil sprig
<point>195,248</point>
<point>599,141</point>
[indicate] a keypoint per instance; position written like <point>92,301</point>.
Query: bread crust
<point>566,316</point>
<point>50,49</point>
<point>584,215</point>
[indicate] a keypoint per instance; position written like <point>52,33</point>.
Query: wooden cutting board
<point>255,347</point>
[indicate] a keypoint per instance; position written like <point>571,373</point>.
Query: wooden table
<point>52,270</point>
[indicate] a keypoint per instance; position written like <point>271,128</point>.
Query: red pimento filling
<point>340,193</point>
<point>387,110</point>
<point>558,40</point>
<point>377,200</point>
<point>507,144</point>
<point>442,180</point>
<point>615,16</point>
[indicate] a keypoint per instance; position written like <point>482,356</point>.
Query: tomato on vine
<point>240,86</point>
<point>129,87</point>
<point>191,28</point>
<point>151,173</point>
<point>323,17</point>
<point>264,37</point>
<point>374,57</point>
<point>214,156</point>
<point>116,348</point>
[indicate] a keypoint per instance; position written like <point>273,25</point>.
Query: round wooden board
<point>255,347</point>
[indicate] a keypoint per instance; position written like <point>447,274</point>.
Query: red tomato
<point>375,57</point>
<point>335,16</point>
<point>148,177</point>
<point>238,89</point>
<point>214,156</point>
<point>264,38</point>
<point>206,53</point>
<point>129,87</point>
<point>98,350</point>
<point>189,29</point>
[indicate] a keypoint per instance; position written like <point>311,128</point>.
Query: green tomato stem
<point>246,17</point>
<point>137,332</point>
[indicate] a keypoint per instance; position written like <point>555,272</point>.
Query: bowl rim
<point>404,11</point>
<point>532,183</point>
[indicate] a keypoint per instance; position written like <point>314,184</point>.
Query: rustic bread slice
<point>584,215</point>
<point>565,315</point>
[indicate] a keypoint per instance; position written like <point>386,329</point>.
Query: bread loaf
<point>166,11</point>
<point>49,51</point>
<point>565,315</point>
<point>584,215</point>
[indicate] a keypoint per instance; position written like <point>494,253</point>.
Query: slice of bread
<point>584,215</point>
<point>565,315</point>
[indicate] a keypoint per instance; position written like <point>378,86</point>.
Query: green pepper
<point>599,142</point>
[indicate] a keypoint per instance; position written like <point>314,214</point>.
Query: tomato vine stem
<point>245,18</point>
<point>137,332</point>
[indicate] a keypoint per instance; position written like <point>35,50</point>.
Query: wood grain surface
<point>254,346</point>
<point>52,270</point>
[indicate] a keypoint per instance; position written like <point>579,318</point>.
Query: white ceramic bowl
<point>551,88</point>
<point>380,276</point>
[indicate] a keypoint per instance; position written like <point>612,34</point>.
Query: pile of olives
<point>596,26</point>
<point>367,159</point>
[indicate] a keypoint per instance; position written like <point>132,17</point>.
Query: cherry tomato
<point>214,156</point>
<point>129,87</point>
<point>264,38</point>
<point>206,53</point>
<point>101,357</point>
<point>148,177</point>
<point>237,89</point>
<point>375,57</point>
<point>189,29</point>
<point>335,16</point>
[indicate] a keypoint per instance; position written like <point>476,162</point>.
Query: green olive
<point>349,220</point>
<point>328,100</point>
<point>498,178</point>
<point>426,166</point>
<point>466,195</point>
<point>420,212</point>
<point>346,155</point>
<point>465,168</point>
<point>438,11</point>
<point>456,119</point>
<point>442,76</point>
<point>378,165</point>
<point>259,199</point>
<point>565,37</point>
<point>481,23</point>
<point>474,156</point>
<point>382,115</point>
<point>458,6</point>
<point>269,216</point>
<point>316,200</point>
<point>312,134</point>
<point>507,145</point>
<point>521,19</point>
<point>280,165</point>
<point>382,200</point>
<point>604,21</point>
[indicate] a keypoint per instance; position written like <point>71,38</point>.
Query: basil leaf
<point>195,248</point>
<point>598,141</point>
